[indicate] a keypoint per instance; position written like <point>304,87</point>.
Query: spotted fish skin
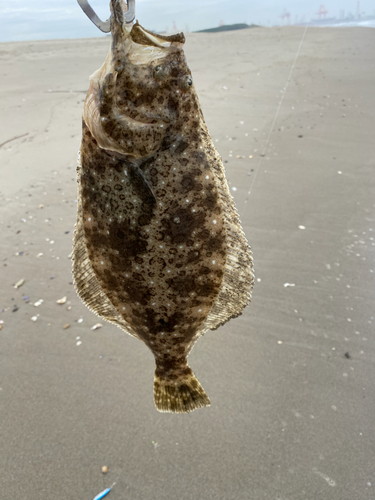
<point>159,249</point>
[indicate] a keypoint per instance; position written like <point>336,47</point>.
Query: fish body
<point>158,248</point>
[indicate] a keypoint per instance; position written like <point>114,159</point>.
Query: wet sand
<point>291,381</point>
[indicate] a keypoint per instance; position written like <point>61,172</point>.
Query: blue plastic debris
<point>102,494</point>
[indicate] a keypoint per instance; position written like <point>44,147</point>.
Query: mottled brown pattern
<point>158,237</point>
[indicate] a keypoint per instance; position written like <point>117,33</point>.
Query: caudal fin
<point>180,396</point>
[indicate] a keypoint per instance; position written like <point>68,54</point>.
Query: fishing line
<point>277,114</point>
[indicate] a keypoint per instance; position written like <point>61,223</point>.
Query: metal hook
<point>105,26</point>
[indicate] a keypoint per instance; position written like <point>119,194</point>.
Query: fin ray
<point>181,396</point>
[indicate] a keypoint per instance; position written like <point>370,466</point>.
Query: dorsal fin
<point>238,277</point>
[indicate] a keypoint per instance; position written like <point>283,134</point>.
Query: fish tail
<point>180,395</point>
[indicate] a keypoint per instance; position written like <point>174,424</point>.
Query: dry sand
<point>292,418</point>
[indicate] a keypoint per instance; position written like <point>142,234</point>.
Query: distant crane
<point>285,16</point>
<point>322,12</point>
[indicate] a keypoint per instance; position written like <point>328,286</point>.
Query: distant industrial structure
<point>285,16</point>
<point>321,17</point>
<point>322,12</point>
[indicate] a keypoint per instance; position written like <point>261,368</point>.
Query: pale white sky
<point>43,19</point>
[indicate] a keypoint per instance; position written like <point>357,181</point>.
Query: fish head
<point>142,97</point>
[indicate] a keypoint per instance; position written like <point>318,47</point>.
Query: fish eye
<point>187,82</point>
<point>160,72</point>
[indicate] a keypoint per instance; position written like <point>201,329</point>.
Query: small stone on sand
<point>19,283</point>
<point>95,327</point>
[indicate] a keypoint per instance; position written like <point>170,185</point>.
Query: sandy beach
<point>291,381</point>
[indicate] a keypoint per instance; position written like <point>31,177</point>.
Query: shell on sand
<point>159,249</point>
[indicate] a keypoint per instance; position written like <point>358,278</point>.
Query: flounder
<point>158,249</point>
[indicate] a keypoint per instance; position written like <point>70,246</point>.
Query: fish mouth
<point>121,27</point>
<point>144,37</point>
<point>138,45</point>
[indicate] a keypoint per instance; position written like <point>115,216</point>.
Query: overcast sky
<point>45,19</point>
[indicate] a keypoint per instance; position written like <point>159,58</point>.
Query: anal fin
<point>87,284</point>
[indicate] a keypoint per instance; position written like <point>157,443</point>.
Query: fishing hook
<point>105,26</point>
